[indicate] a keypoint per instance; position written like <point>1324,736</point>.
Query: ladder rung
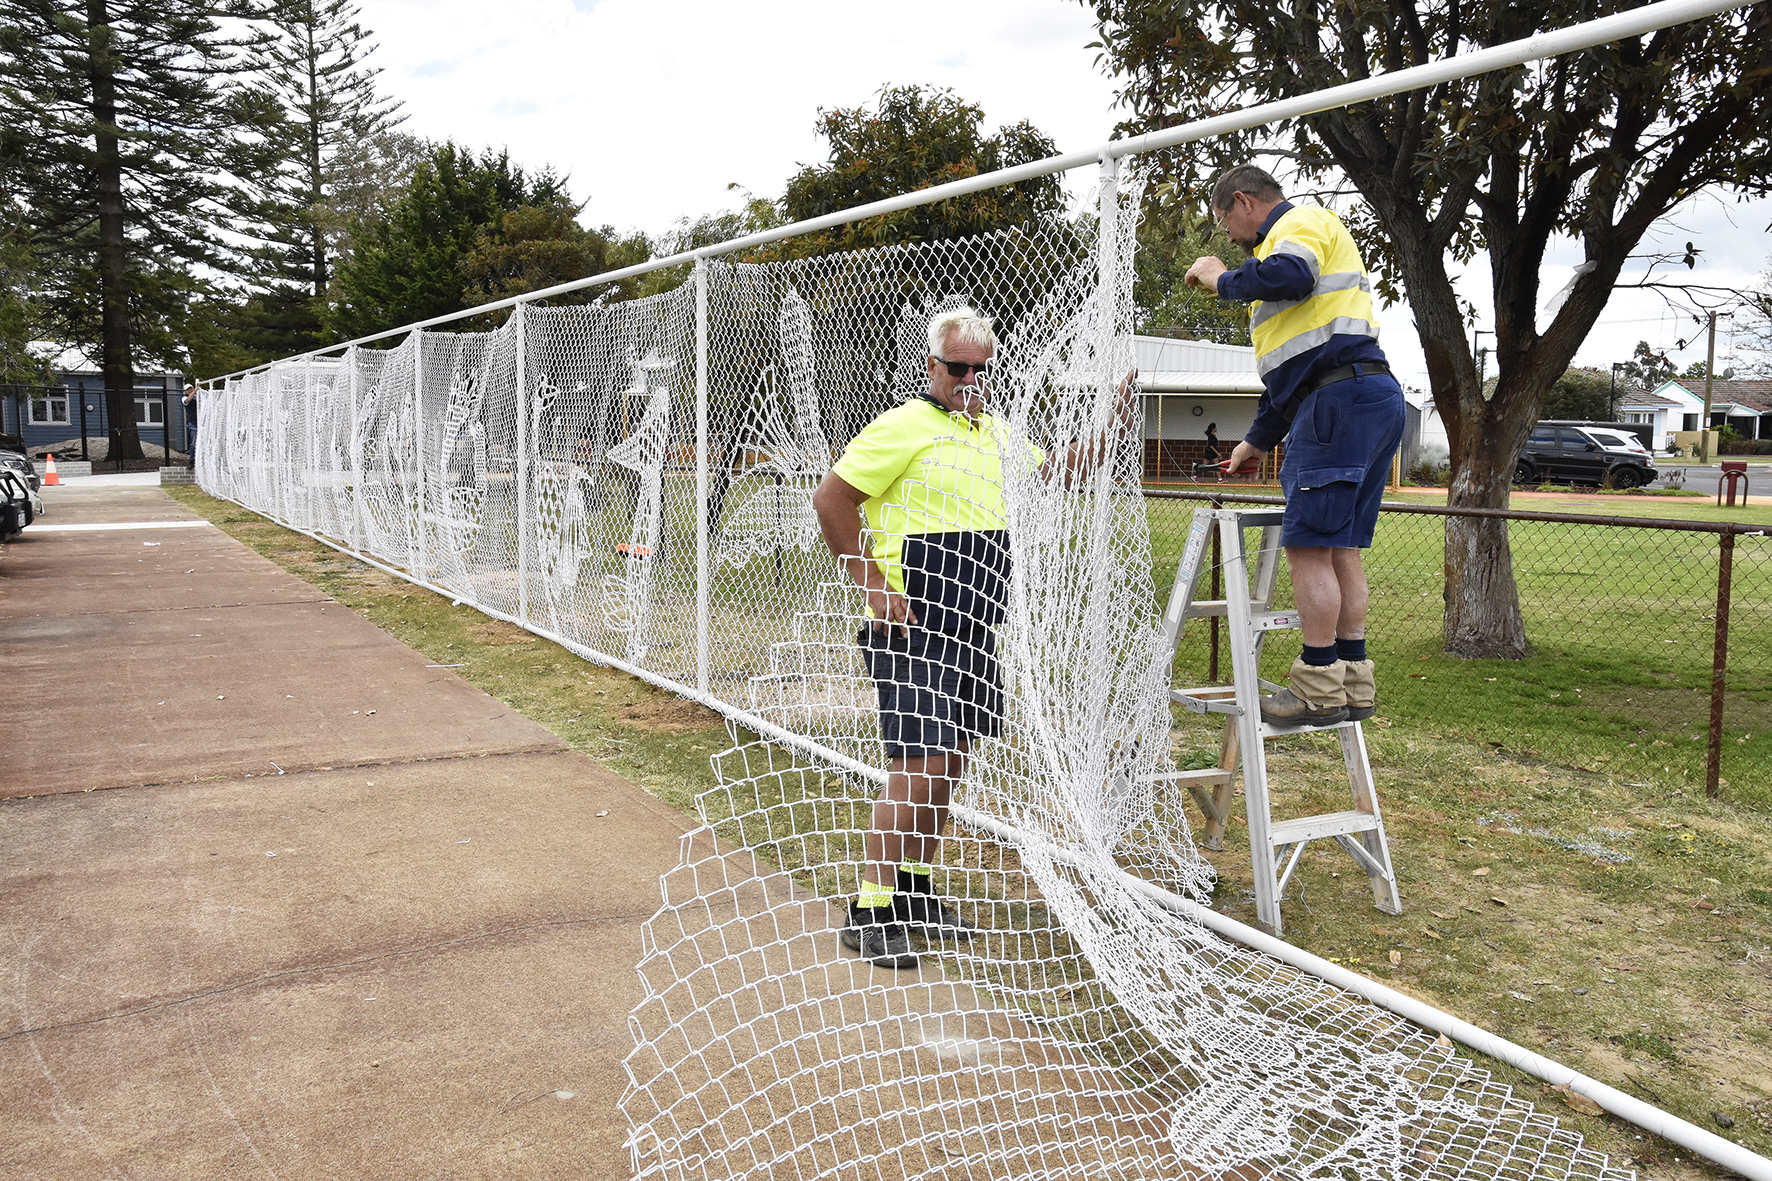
<point>1253,517</point>
<point>1205,705</point>
<point>1267,621</point>
<point>1311,828</point>
<point>1207,775</point>
<point>1202,608</point>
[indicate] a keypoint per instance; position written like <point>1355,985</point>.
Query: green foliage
<point>1174,231</point>
<point>308,68</point>
<point>410,267</point>
<point>1580,394</point>
<point>916,137</point>
<point>1647,368</point>
<point>533,247</point>
<point>20,314</point>
<point>127,132</point>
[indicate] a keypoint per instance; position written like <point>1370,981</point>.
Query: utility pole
<point>1710,367</point>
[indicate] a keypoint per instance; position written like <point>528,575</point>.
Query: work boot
<point>1314,697</point>
<point>875,933</point>
<point>1361,684</point>
<point>916,906</point>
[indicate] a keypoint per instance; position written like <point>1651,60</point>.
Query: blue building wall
<point>87,390</point>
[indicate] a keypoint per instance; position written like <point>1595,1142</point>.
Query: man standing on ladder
<point>1330,394</point>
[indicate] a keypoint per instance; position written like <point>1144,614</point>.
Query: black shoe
<point>930,917</point>
<point>873,933</point>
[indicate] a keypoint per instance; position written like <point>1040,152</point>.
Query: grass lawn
<point>1622,626</point>
<point>1622,925</point>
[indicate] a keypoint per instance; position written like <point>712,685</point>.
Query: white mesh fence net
<point>636,480</point>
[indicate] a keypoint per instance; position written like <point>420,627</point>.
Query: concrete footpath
<point>276,898</point>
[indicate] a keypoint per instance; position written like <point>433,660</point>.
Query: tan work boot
<point>1361,684</point>
<point>1315,696</point>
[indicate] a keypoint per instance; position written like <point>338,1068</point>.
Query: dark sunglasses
<point>961,368</point>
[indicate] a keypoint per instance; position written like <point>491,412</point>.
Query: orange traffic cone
<point>50,479</point>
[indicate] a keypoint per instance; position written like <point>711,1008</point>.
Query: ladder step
<point>1330,824</point>
<point>1273,730</point>
<point>1205,775</point>
<point>1194,701</point>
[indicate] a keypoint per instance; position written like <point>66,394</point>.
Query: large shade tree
<point>312,63</point>
<point>1595,146</point>
<point>410,264</point>
<point>130,133</point>
<point>916,137</point>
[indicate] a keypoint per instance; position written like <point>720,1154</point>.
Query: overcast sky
<point>653,107</point>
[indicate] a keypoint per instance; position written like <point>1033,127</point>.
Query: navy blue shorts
<point>1338,459</point>
<point>934,688</point>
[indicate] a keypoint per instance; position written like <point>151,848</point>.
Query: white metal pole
<point>354,449</point>
<point>523,466</point>
<point>416,535</point>
<point>703,591</point>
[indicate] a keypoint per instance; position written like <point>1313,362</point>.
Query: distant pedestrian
<point>190,401</point>
<point>1212,442</point>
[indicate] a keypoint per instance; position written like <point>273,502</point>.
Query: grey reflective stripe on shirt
<point>1339,281</point>
<point>1314,338</point>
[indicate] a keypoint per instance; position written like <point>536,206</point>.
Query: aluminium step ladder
<point>1247,610</point>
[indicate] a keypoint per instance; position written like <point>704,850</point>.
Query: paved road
<point>279,900</point>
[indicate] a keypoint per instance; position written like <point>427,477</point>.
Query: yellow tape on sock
<point>871,894</point>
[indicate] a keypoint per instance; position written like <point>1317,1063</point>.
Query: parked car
<point>1613,440</point>
<point>20,462</point>
<point>1574,455</point>
<point>19,505</point>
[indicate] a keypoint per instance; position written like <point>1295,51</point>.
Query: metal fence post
<point>355,453</point>
<point>416,559</point>
<point>703,592</point>
<point>523,462</point>
<point>1719,664</point>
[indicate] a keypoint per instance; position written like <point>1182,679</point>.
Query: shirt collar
<point>959,414</point>
<point>1279,211</point>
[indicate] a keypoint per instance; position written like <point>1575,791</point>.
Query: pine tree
<point>312,63</point>
<point>130,122</point>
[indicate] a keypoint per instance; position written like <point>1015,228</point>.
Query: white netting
<point>549,472</point>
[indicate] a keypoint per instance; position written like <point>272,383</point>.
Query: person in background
<point>190,404</point>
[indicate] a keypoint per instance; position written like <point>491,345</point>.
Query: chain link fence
<point>1647,663</point>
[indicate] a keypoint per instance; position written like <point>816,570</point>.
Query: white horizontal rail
<point>1540,45</point>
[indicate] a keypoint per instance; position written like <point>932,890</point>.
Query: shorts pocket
<point>1324,498</point>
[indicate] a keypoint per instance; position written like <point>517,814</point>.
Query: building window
<point>51,410</point>
<point>1689,422</point>
<point>149,411</point>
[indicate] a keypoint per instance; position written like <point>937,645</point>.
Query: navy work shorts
<point>934,688</point>
<point>1338,459</point>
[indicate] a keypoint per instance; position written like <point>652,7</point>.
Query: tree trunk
<point>1483,618</point>
<point>116,362</point>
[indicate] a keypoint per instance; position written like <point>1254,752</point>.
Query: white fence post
<point>523,466</point>
<point>359,536</point>
<point>416,559</point>
<point>703,523</point>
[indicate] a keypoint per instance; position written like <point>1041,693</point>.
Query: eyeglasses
<point>961,368</point>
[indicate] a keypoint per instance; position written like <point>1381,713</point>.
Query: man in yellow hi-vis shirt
<point>927,478</point>
<point>1330,394</point>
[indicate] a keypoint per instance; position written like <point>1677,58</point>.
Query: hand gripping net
<point>548,472</point>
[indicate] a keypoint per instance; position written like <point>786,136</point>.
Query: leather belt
<point>1317,381</point>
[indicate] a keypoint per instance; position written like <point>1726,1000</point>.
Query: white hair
<point>965,323</point>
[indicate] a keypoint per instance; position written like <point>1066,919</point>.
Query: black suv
<point>1569,455</point>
